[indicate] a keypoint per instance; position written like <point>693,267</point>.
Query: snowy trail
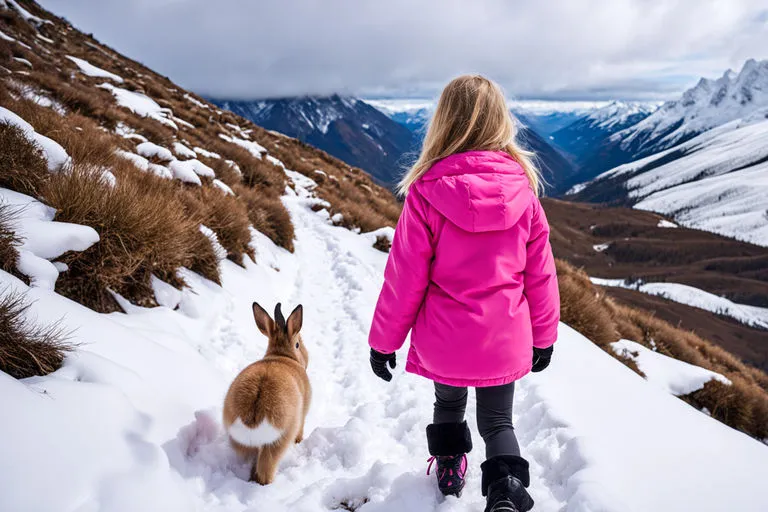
<point>366,443</point>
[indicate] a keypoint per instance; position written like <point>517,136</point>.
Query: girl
<point>471,274</point>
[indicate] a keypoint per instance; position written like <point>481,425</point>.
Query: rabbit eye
<point>297,344</point>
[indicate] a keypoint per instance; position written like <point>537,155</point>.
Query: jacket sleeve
<point>540,281</point>
<point>405,277</point>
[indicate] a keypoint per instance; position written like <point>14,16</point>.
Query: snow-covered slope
<point>345,127</point>
<point>717,181</point>
<point>132,420</point>
<point>750,315</point>
<point>710,103</point>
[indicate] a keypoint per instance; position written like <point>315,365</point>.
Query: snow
<point>709,104</point>
<point>618,113</point>
<point>664,223</point>
<point>23,61</point>
<point>253,148</point>
<point>218,249</point>
<point>206,153</point>
<point>719,183</point>
<point>667,373</point>
<point>132,420</point>
<point>90,70</point>
<point>184,172</point>
<point>195,166</point>
<point>42,238</point>
<point>601,247</point>
<point>152,150</point>
<point>160,170</point>
<point>750,315</point>
<point>141,104</point>
<point>54,154</point>
<point>139,161</point>
<point>183,151</point>
<point>6,37</point>
<point>195,101</point>
<point>223,186</point>
<point>165,294</point>
<point>35,20</point>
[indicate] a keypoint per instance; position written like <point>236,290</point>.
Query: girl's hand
<point>541,358</point>
<point>379,364</point>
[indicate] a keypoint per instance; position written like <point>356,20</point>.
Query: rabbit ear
<point>263,321</point>
<point>279,319</point>
<point>295,319</point>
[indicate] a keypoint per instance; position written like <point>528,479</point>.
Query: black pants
<point>494,414</point>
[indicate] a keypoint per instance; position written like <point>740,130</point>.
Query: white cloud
<point>577,48</point>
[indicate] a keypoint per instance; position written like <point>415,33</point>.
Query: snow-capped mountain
<point>415,115</point>
<point>716,181</point>
<point>709,104</point>
<point>345,127</point>
<point>581,138</point>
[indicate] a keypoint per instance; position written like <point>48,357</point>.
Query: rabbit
<point>267,403</point>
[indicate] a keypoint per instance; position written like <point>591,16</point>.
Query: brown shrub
<point>143,230</point>
<point>223,170</point>
<point>22,165</point>
<point>584,308</point>
<point>9,242</point>
<point>268,215</point>
<point>258,173</point>
<point>26,349</point>
<point>225,215</point>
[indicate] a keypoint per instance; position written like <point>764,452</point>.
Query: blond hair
<point>471,114</point>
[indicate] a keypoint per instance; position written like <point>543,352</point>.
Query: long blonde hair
<point>471,114</point>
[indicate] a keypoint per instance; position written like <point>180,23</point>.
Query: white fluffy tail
<point>261,435</point>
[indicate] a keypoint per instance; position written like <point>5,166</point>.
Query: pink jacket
<point>471,273</point>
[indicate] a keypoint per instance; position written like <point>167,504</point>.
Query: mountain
<point>716,181</point>
<point>581,138</point>
<point>345,127</point>
<point>709,104</point>
<point>414,115</point>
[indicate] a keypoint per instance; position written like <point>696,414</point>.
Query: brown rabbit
<point>266,405</point>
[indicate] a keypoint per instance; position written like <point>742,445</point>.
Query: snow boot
<point>505,478</point>
<point>448,444</point>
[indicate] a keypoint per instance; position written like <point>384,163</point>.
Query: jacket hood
<point>478,190</point>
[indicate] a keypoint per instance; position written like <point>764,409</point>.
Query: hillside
<point>139,222</point>
<point>709,104</point>
<point>617,244</point>
<point>345,127</point>
<point>717,181</point>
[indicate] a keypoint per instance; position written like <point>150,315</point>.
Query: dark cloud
<point>575,49</point>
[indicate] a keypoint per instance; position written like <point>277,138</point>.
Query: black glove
<point>379,364</point>
<point>541,358</point>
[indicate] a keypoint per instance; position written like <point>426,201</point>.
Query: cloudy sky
<point>568,49</point>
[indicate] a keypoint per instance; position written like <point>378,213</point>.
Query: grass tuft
<point>23,167</point>
<point>26,349</point>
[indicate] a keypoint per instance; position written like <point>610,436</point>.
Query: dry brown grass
<point>143,230</point>
<point>26,349</point>
<point>382,243</point>
<point>9,242</point>
<point>22,165</point>
<point>268,215</point>
<point>226,215</point>
<point>742,405</point>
